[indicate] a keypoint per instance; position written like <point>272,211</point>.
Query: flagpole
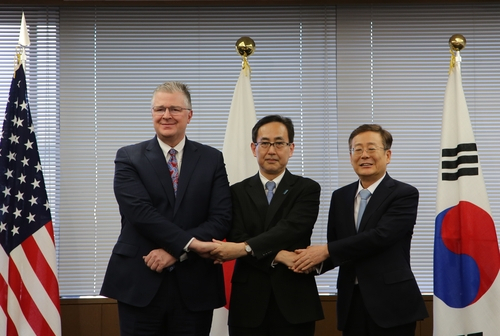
<point>240,162</point>
<point>466,252</point>
<point>456,42</point>
<point>23,42</point>
<point>30,303</point>
<point>238,157</point>
<point>245,46</point>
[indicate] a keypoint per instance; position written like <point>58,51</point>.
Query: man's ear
<point>254,148</point>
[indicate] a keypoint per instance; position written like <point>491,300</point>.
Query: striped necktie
<point>174,169</point>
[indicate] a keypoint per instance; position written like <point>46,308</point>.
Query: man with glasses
<point>174,198</point>
<point>273,215</point>
<point>370,226</point>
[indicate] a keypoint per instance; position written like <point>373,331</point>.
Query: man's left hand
<point>310,257</point>
<point>228,251</point>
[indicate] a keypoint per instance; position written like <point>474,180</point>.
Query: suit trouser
<point>166,315</point>
<point>360,323</point>
<point>275,324</point>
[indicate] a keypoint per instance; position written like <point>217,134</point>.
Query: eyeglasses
<point>358,151</point>
<point>173,110</point>
<point>277,144</point>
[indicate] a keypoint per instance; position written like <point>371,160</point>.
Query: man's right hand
<point>203,248</point>
<point>159,259</point>
<point>287,258</point>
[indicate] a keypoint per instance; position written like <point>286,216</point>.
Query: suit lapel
<point>155,156</point>
<point>256,192</point>
<point>349,205</point>
<point>383,190</point>
<point>190,158</point>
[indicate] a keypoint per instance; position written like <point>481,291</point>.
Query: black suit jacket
<point>153,218</point>
<point>285,224</point>
<point>378,255</point>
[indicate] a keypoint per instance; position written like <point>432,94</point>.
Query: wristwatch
<point>248,249</point>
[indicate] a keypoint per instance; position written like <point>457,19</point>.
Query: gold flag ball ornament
<point>245,46</point>
<point>457,42</point>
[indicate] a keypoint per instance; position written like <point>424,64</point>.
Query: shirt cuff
<point>186,248</point>
<point>319,267</point>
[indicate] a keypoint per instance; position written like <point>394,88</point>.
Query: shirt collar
<point>371,188</point>
<point>276,180</point>
<point>165,148</point>
<point>179,148</point>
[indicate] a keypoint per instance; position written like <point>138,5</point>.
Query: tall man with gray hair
<point>174,198</point>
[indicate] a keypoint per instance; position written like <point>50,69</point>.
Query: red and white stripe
<point>29,293</point>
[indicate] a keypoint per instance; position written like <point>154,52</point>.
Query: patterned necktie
<point>270,188</point>
<point>365,193</point>
<point>174,169</point>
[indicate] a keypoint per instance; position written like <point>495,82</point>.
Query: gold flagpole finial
<point>245,47</point>
<point>457,42</point>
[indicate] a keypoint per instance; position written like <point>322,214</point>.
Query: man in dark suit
<point>377,291</point>
<point>172,204</point>
<point>267,298</point>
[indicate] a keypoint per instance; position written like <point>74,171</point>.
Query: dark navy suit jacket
<point>378,255</point>
<point>152,217</point>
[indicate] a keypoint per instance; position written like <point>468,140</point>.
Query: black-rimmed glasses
<point>276,144</point>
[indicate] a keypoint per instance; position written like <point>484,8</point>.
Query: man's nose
<point>272,148</point>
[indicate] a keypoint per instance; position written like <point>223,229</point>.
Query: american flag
<point>29,292</point>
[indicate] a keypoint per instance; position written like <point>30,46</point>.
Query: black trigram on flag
<point>459,161</point>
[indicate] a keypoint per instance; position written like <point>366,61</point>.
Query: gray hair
<point>172,87</point>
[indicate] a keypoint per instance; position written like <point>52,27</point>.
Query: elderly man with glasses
<point>370,226</point>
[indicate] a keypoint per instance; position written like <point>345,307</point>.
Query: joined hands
<point>309,258</point>
<point>299,261</point>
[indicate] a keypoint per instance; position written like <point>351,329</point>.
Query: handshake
<point>299,261</point>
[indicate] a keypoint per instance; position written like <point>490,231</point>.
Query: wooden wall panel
<point>89,317</point>
<point>99,317</point>
<point>328,326</point>
<point>425,326</point>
